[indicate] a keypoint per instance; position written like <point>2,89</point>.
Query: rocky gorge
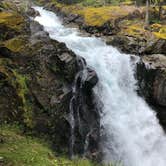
<point>48,89</point>
<point>128,37</point>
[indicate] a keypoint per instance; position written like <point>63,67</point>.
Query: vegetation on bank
<point>123,16</point>
<point>17,149</point>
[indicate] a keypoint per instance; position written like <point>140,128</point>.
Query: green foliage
<point>17,149</point>
<point>20,83</point>
<point>93,2</point>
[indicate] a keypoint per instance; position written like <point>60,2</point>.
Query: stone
<point>32,12</point>
<point>151,75</point>
<point>90,80</point>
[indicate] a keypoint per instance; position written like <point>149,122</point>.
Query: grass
<point>17,149</point>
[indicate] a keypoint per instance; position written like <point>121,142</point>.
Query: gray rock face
<point>151,75</point>
<point>90,80</point>
<point>83,117</point>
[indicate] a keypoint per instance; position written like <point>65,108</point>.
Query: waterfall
<point>133,135</point>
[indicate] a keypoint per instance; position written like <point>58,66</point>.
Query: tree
<point>160,4</point>
<point>147,13</point>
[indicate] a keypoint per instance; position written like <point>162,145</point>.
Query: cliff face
<point>36,78</point>
<point>151,74</point>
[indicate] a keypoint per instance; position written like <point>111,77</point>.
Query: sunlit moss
<point>100,15</point>
<point>11,20</point>
<point>159,30</point>
<point>11,5</point>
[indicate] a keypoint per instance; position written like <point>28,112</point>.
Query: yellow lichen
<point>11,20</point>
<point>94,16</point>
<point>160,35</point>
<point>100,15</point>
<point>16,44</point>
<point>133,28</point>
<point>159,30</point>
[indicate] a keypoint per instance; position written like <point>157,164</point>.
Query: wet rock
<point>32,12</point>
<point>151,75</point>
<point>90,80</point>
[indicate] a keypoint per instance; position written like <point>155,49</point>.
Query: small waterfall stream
<point>133,134</point>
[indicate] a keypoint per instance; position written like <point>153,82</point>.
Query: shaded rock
<point>90,79</point>
<point>32,12</point>
<point>125,43</point>
<point>137,45</point>
<point>85,136</point>
<point>151,75</point>
<point>156,47</point>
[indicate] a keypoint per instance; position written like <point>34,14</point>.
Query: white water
<point>134,135</point>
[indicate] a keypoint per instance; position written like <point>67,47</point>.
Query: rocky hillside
<point>37,75</point>
<point>123,27</point>
<point>36,79</point>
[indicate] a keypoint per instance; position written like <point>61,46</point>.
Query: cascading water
<point>133,134</point>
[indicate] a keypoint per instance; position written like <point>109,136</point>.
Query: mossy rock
<point>11,24</point>
<point>16,44</point>
<point>15,104</point>
<point>11,20</point>
<point>15,5</point>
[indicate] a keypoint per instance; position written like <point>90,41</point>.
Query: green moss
<point>20,6</point>
<point>16,44</point>
<point>20,150</point>
<point>97,16</point>
<point>11,20</point>
<point>19,82</point>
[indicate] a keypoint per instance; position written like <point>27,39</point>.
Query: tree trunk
<point>147,13</point>
<point>160,9</point>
